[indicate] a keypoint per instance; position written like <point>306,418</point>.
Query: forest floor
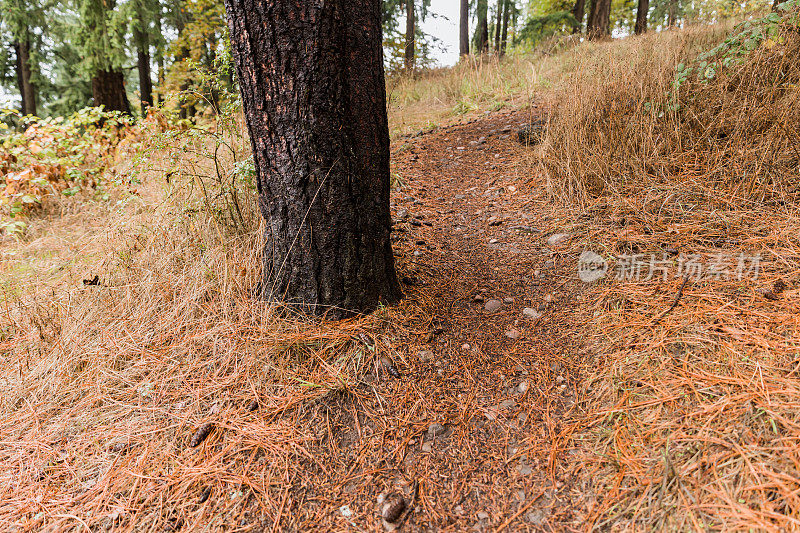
<point>484,387</point>
<point>142,388</point>
<point>483,365</point>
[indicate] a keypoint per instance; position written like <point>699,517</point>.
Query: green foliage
<point>100,35</point>
<point>745,38</point>
<point>209,161</point>
<point>539,28</point>
<point>55,156</point>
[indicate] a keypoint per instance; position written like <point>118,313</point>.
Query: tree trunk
<point>498,24</point>
<point>186,109</point>
<point>27,90</point>
<point>598,25</point>
<point>579,11</point>
<point>314,97</point>
<point>463,33</point>
<point>482,29</point>
<point>108,90</point>
<point>159,59</point>
<point>410,37</point>
<point>672,14</point>
<point>143,63</point>
<point>641,17</point>
<point>504,35</point>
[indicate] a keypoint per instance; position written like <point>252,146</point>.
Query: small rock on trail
<point>493,305</point>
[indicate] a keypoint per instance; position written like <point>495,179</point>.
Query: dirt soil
<point>463,421</point>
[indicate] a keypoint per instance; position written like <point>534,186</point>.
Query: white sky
<point>444,29</point>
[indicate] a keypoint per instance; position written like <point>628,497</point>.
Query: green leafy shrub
<point>41,158</point>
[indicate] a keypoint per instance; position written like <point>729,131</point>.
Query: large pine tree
<point>313,92</point>
<point>101,39</point>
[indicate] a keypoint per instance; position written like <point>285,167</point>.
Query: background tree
<point>314,98</point>
<point>101,40</point>
<point>142,15</point>
<point>498,25</point>
<point>410,36</point>
<point>395,41</point>
<point>508,7</point>
<point>641,17</point>
<point>22,24</point>
<point>463,29</point>
<point>598,24</point>
<point>578,12</point>
<point>482,28</point>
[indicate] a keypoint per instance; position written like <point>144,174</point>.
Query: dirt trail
<point>500,383</point>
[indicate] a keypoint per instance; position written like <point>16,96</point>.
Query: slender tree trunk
<point>20,82</point>
<point>143,63</point>
<point>598,25</point>
<point>641,17</point>
<point>211,55</point>
<point>159,56</point>
<point>672,14</point>
<point>108,90</point>
<point>498,24</point>
<point>579,11</point>
<point>463,33</point>
<point>482,29</point>
<point>314,97</point>
<point>504,35</point>
<point>410,36</point>
<point>27,89</point>
<point>186,109</point>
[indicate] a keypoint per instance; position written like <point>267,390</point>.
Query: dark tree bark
<point>108,90</point>
<point>27,90</point>
<point>482,29</point>
<point>463,32</point>
<point>314,97</point>
<point>579,11</point>
<point>143,64</point>
<point>410,35</point>
<point>187,109</point>
<point>598,25</point>
<point>20,82</point>
<point>498,24</point>
<point>641,17</point>
<point>504,35</point>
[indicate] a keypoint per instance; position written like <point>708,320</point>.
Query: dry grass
<point>621,126</point>
<point>103,387</point>
<point>473,86</point>
<point>692,418</point>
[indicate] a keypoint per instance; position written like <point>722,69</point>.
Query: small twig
<point>675,302</point>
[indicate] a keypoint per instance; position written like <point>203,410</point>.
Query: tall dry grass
<point>620,123</point>
<point>104,387</point>
<point>477,84</point>
<point>690,420</point>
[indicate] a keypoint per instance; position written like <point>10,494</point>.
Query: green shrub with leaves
<point>207,160</point>
<point>744,39</point>
<point>57,156</point>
